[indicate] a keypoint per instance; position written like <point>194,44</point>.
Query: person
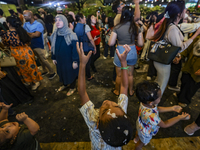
<point>64,54</point>
<point>59,10</point>
<point>71,21</point>
<point>35,31</point>
<point>117,8</point>
<point>126,32</point>
<point>190,80</point>
<point>169,31</point>
<point>14,136</point>
<point>12,88</point>
<point>148,122</point>
<point>109,27</point>
<point>2,18</point>
<point>17,39</point>
<point>149,34</point>
<point>45,40</point>
<point>109,127</point>
<point>49,24</point>
<point>83,33</point>
<point>95,32</point>
<point>21,17</point>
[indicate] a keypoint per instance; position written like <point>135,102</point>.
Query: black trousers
<point>152,70</point>
<point>88,74</point>
<point>197,121</point>
<point>112,50</point>
<point>175,70</point>
<point>188,88</point>
<point>95,57</point>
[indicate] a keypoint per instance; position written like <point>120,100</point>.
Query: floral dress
<point>24,56</point>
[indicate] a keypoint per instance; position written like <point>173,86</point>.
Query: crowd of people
<point>74,43</point>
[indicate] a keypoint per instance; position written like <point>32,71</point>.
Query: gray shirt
<point>123,34</point>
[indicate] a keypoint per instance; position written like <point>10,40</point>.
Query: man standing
<point>35,31</point>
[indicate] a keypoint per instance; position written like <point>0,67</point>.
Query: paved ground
<point>59,117</point>
<point>187,143</point>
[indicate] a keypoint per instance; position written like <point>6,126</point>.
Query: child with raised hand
<point>16,137</point>
<point>148,122</point>
<point>109,127</point>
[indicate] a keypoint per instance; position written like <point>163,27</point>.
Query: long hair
<point>89,22</point>
<point>17,24</point>
<point>151,20</point>
<point>173,8</point>
<point>110,22</point>
<point>128,16</point>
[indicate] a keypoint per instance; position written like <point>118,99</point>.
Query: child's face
<point>9,130</point>
<point>109,109</point>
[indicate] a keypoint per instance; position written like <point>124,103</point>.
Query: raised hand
<point>21,117</point>
<point>136,1</point>
<point>82,57</point>
<point>4,106</point>
<point>122,57</point>
<point>177,108</point>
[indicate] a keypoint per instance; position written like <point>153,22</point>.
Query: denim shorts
<point>144,138</point>
<point>131,57</point>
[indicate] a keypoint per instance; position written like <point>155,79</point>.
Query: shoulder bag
<point>6,60</point>
<point>163,51</point>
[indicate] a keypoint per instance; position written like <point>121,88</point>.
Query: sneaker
<point>148,78</point>
<point>191,128</point>
<point>104,57</point>
<point>174,88</point>
<point>51,76</point>
<point>44,73</point>
<point>34,87</point>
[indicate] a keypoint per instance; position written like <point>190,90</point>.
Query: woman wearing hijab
<point>64,54</point>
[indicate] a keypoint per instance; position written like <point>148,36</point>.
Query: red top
<point>96,32</point>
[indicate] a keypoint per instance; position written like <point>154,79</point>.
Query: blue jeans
<point>131,57</point>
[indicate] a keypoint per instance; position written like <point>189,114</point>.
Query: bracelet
<point>124,68</point>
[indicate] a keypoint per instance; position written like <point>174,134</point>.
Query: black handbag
<point>163,52</point>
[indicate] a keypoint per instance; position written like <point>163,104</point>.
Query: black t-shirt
<point>24,140</point>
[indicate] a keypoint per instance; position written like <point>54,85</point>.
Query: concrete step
<point>182,143</point>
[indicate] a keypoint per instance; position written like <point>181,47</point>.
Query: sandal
<point>114,92</point>
<point>62,88</point>
<point>71,91</point>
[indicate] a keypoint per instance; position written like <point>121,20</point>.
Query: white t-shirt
<point>87,28</point>
<point>2,20</point>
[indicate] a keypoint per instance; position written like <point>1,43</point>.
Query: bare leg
<point>118,81</point>
<point>136,139</point>
<point>139,145</point>
<point>130,80</point>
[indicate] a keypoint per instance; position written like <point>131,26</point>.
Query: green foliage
<point>193,9</point>
<point>145,11</point>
